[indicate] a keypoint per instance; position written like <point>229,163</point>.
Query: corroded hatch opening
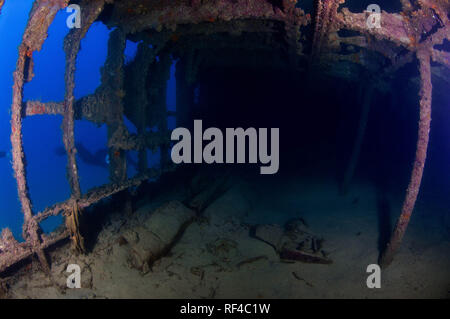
<point>332,42</point>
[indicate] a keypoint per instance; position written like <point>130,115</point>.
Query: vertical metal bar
<point>138,95</point>
<point>41,16</point>
<point>89,13</point>
<point>112,82</point>
<point>325,17</point>
<point>421,154</point>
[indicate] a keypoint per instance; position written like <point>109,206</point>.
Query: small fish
<point>2,153</point>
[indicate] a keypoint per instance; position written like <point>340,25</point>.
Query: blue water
<point>46,172</point>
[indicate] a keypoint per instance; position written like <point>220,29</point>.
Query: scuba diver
<point>100,158</point>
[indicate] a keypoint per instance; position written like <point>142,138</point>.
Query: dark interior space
<point>318,120</point>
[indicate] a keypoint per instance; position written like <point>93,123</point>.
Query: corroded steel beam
<point>72,42</point>
<point>139,142</point>
<point>90,12</point>
<point>325,22</point>
<point>12,252</point>
<point>113,88</point>
<point>136,98</point>
<point>167,14</point>
<point>41,16</point>
<point>392,26</point>
<point>441,57</point>
<point>31,108</point>
<point>406,30</point>
<point>96,194</point>
<point>421,154</point>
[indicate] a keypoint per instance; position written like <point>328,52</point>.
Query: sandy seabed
<point>216,257</point>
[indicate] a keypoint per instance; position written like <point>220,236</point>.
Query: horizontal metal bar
<point>30,108</point>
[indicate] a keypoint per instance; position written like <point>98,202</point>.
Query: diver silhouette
<point>100,158</point>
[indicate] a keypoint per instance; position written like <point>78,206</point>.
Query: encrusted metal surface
<point>190,30</point>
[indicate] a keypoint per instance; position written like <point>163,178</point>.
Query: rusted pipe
<point>421,153</point>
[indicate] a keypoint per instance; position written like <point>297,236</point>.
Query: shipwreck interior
<point>334,86</point>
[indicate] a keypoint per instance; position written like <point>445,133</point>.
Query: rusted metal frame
<point>89,13</point>
<point>292,24</point>
<point>96,194</point>
<point>41,16</point>
<point>424,54</point>
<point>159,74</point>
<point>441,57</point>
<point>2,2</point>
<point>12,252</point>
<point>160,17</point>
<point>387,256</point>
<point>31,108</point>
<point>105,191</point>
<point>112,86</point>
<point>21,251</point>
<point>93,107</point>
<point>393,26</point>
<point>68,125</point>
<point>137,98</point>
<point>139,142</point>
<point>324,23</point>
